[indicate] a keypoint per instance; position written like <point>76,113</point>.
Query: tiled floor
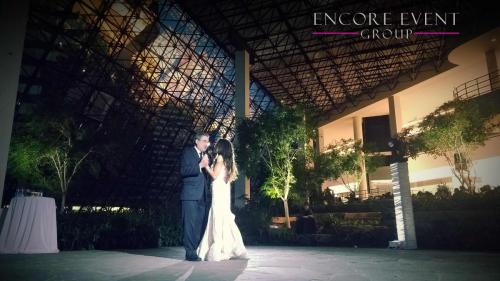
<point>265,263</point>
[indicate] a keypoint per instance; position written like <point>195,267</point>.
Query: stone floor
<point>265,263</point>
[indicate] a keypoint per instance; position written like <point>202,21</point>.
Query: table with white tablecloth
<point>30,226</point>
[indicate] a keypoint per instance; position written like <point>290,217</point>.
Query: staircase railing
<point>479,86</point>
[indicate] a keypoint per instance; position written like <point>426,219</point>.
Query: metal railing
<point>479,86</point>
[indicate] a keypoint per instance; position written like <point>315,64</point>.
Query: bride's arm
<point>216,169</point>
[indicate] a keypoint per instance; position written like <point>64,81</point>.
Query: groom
<point>194,193</point>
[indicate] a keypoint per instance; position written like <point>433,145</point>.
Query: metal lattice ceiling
<point>327,73</point>
<point>147,74</point>
<point>140,74</point>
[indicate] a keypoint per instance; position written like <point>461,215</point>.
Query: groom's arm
<point>190,166</point>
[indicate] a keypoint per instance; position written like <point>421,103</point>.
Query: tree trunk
<point>63,203</point>
<point>287,214</point>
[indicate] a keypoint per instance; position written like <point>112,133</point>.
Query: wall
<point>418,101</point>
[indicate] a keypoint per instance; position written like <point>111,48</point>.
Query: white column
<point>13,19</point>
<point>403,206</point>
<point>242,110</point>
<point>358,135</point>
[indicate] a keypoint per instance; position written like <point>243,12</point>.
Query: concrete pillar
<point>321,140</point>
<point>358,135</point>
<point>242,110</point>
<point>13,20</point>
<point>403,206</point>
<point>395,119</point>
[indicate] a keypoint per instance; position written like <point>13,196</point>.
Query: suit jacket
<point>194,182</point>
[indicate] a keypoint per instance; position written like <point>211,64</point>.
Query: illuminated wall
<point>426,172</point>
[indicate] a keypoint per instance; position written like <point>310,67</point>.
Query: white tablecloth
<point>30,226</point>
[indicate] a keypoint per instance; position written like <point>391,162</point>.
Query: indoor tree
<point>47,152</point>
<point>271,144</point>
<point>453,131</point>
<point>309,174</point>
<point>346,157</point>
<point>64,156</point>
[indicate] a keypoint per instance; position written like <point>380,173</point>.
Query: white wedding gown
<point>222,238</point>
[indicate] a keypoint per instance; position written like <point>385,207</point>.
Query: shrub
<point>253,221</point>
<point>126,229</point>
<point>443,192</point>
<point>282,236</point>
<point>459,221</point>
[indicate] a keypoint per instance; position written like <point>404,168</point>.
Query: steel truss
<point>140,74</point>
<point>327,73</point>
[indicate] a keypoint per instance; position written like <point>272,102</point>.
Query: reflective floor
<point>265,263</point>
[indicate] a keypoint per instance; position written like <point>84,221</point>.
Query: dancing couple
<point>214,237</point>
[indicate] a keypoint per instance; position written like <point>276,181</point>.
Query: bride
<point>222,238</point>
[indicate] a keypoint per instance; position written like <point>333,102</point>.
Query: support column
<point>242,110</point>
<point>403,206</point>
<point>13,19</point>
<point>358,135</point>
<point>395,119</point>
<point>321,140</point>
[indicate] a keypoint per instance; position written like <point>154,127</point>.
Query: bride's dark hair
<point>225,149</point>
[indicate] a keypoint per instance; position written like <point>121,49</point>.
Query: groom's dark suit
<point>194,200</point>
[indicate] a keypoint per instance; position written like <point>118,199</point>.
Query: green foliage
<point>458,229</point>
<point>53,130</point>
<point>89,229</point>
<point>340,159</point>
<point>443,192</point>
<point>308,170</point>
<point>273,186</point>
<point>47,151</point>
<point>23,164</point>
<point>346,157</point>
<point>277,146</point>
<point>273,140</point>
<point>253,220</point>
<point>442,222</point>
<point>453,131</point>
<point>282,236</point>
<point>271,145</point>
<point>470,122</point>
